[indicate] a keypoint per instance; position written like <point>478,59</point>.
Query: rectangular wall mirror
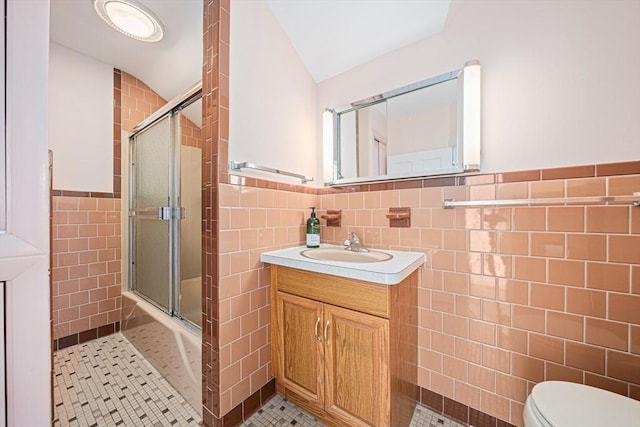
<point>431,127</point>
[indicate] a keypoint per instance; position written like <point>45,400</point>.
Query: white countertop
<point>390,272</point>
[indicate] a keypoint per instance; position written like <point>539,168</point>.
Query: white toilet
<point>564,404</point>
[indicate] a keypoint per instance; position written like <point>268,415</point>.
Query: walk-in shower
<point>162,310</point>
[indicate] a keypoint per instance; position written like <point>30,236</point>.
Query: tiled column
<point>214,137</point>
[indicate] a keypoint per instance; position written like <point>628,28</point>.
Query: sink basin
<point>340,254</point>
<point>398,264</point>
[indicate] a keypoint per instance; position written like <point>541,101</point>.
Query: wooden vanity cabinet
<point>345,350</point>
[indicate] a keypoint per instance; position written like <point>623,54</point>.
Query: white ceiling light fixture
<point>130,18</point>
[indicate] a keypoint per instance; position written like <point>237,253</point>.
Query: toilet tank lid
<point>565,404</point>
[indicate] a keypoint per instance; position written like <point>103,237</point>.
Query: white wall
<point>422,130</point>
<point>24,248</point>
<point>80,121</point>
<point>271,95</point>
<point>560,83</point>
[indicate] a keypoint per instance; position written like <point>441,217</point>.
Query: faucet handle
<point>352,238</point>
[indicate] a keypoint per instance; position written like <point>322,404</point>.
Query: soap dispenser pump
<point>313,230</point>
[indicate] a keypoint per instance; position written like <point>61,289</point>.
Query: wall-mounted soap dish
<point>333,217</point>
<point>399,217</point>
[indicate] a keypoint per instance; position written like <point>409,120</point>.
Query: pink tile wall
<point>191,134</point>
<point>86,263</point>
<point>516,295</point>
<point>139,101</point>
<point>251,221</point>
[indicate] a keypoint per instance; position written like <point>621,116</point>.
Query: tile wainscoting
<point>509,297</point>
<point>86,262</point>
<point>85,336</point>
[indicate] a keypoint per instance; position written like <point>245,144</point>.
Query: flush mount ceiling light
<point>131,18</point>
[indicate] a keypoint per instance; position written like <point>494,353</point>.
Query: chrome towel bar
<point>633,199</point>
<point>236,166</point>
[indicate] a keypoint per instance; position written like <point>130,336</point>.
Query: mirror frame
<point>467,157</point>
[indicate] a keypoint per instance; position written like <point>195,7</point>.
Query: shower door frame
<point>169,211</point>
<point>172,211</point>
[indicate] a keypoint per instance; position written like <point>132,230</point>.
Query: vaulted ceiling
<point>330,36</point>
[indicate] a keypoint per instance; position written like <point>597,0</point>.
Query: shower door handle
<point>162,213</point>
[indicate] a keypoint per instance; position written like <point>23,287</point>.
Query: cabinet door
<point>357,367</point>
<point>300,346</point>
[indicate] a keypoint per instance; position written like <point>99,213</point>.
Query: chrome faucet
<point>353,244</point>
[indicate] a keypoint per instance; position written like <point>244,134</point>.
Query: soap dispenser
<point>313,230</point>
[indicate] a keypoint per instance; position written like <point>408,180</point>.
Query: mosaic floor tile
<point>280,412</point>
<point>423,416</point>
<point>106,382</point>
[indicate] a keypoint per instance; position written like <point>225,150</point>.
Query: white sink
<point>343,255</point>
<point>386,267</point>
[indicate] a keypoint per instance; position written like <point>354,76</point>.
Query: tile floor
<point>281,412</point>
<point>106,382</point>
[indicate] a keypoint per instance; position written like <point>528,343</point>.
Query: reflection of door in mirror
<point>379,156</point>
<point>422,125</point>
<point>371,129</point>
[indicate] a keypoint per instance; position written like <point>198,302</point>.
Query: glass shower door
<point>151,210</point>
<point>190,245</point>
